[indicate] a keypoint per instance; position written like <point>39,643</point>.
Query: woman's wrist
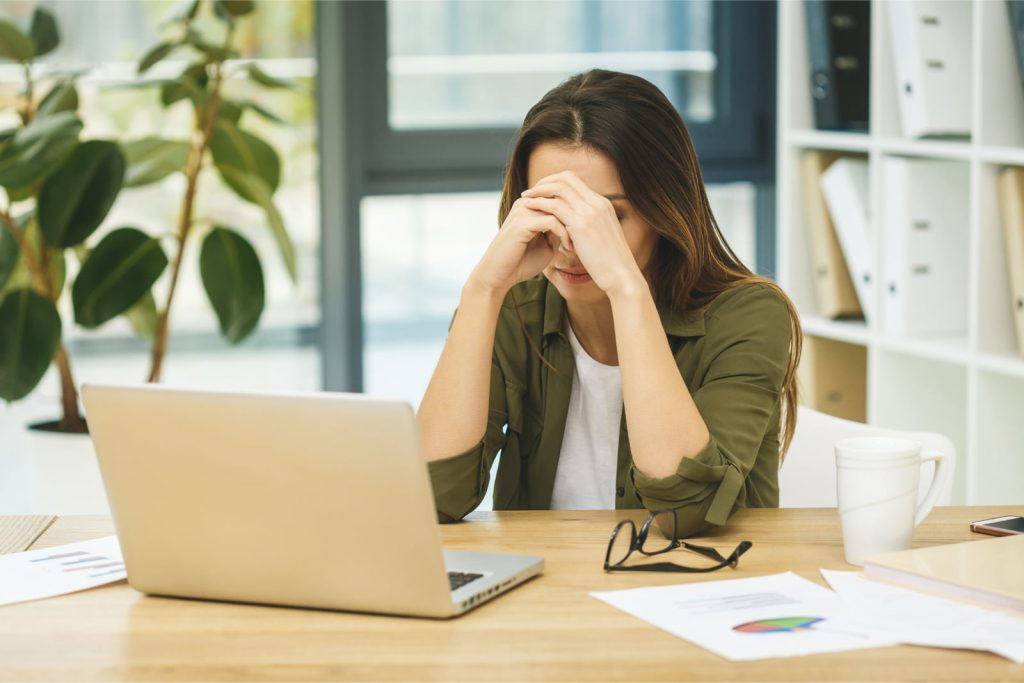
<point>628,289</point>
<point>480,290</point>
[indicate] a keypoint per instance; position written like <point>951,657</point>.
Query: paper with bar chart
<point>48,572</point>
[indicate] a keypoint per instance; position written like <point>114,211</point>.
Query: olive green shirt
<point>732,355</point>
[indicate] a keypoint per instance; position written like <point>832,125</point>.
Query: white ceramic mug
<point>876,482</point>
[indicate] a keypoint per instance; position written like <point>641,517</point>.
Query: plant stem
<point>71,419</point>
<point>29,113</point>
<point>38,275</point>
<point>185,222</point>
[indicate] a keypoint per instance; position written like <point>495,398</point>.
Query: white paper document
<point>914,618</point>
<point>62,569</point>
<point>781,615</point>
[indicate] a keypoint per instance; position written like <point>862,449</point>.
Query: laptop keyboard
<point>459,579</point>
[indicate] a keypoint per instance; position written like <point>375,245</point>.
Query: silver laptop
<point>316,500</point>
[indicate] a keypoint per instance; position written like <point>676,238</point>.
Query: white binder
<point>931,47</point>
<point>1011,199</point>
<point>845,186</point>
<point>925,223</point>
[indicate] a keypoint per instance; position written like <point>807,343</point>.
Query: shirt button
<point>621,491</point>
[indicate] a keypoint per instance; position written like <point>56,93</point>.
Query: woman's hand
<point>593,229</point>
<point>524,246</point>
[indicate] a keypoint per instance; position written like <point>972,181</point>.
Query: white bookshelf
<point>968,386</point>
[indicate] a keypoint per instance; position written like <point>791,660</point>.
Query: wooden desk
<point>547,629</point>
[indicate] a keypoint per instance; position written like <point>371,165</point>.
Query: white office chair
<point>808,474</point>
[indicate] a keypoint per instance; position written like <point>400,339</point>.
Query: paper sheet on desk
<point>914,618</point>
<point>782,615</point>
<point>36,574</point>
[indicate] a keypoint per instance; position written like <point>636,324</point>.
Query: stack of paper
<point>785,615</point>
<point>914,618</point>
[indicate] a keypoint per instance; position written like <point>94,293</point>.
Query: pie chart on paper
<point>781,625</point>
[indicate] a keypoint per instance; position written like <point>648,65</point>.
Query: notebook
<point>990,572</point>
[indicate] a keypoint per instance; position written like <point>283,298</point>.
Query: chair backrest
<point>808,474</point>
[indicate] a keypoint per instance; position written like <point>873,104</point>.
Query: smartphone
<point>999,526</point>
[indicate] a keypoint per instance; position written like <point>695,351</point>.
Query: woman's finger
<point>550,224</point>
<point>556,206</point>
<point>565,184</point>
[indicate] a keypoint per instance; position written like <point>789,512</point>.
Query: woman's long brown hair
<point>630,121</point>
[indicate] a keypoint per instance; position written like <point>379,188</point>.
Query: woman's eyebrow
<point>613,197</point>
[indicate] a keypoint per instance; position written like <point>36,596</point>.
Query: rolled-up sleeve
<point>460,482</point>
<point>747,343</point>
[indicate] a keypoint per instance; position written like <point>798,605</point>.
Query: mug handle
<point>942,472</point>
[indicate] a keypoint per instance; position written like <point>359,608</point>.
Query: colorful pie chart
<point>782,625</point>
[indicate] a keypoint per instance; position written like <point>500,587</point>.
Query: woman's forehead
<point>592,166</point>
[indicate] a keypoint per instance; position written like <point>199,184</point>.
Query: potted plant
<point>42,163</point>
<point>60,188</point>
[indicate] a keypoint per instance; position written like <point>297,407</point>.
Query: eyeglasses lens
<point>622,543</point>
<point>660,533</point>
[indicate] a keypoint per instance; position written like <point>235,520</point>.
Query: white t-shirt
<point>585,478</point>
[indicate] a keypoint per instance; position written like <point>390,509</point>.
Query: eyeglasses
<point>622,544</point>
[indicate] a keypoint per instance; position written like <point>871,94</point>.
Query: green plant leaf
<point>58,271</point>
<point>151,159</point>
<point>213,53</point>
<point>44,32</point>
<point>14,44</point>
<point>9,255</point>
<point>264,113</point>
<point>157,54</point>
<point>142,85</point>
<point>230,110</point>
<point>267,81</point>
<point>116,275</point>
<point>19,194</point>
<point>20,276</point>
<point>38,149</point>
<point>29,334</point>
<point>237,8</point>
<point>235,148</point>
<point>63,96</point>
<point>75,200</point>
<point>143,316</point>
<point>255,190</point>
<point>233,279</point>
<point>190,84</point>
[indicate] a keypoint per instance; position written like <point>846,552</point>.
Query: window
<point>105,40</point>
<point>425,99</point>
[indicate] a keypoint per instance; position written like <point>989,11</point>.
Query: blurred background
<point>391,166</point>
<point>433,92</point>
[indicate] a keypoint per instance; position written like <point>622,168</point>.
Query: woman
<point>609,343</point>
